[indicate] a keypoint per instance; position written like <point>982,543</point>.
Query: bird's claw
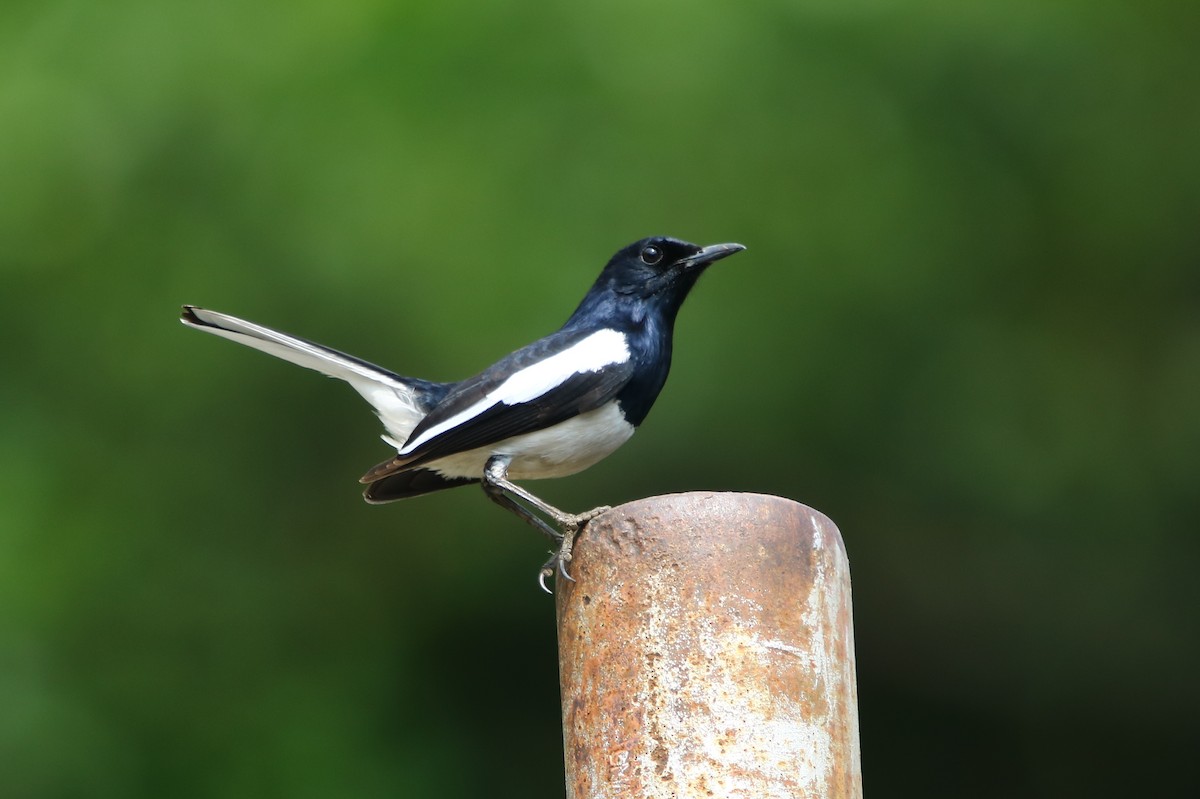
<point>557,564</point>
<point>559,560</point>
<point>544,573</point>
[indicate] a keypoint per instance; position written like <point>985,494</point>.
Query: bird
<point>549,409</point>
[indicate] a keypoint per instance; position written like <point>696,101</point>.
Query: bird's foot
<point>571,523</point>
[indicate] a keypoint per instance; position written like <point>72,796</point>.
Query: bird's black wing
<point>578,394</point>
<point>471,416</point>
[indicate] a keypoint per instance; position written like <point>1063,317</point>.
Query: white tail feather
<point>392,398</point>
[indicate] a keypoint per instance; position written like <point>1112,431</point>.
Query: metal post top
<point>704,524</point>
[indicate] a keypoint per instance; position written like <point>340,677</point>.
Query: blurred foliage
<point>967,329</point>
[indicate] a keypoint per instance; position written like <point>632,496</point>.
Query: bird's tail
<point>401,402</point>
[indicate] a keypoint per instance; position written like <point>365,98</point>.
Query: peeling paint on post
<point>706,650</point>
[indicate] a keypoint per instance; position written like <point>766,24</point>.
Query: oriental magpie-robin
<point>550,409</point>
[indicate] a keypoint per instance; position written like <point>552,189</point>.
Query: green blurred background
<point>966,328</point>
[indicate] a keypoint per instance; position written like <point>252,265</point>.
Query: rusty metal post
<point>706,650</point>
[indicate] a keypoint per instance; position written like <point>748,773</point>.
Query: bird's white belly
<point>566,448</point>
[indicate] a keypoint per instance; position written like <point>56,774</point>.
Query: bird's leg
<point>495,483</point>
<point>567,521</point>
<point>498,487</point>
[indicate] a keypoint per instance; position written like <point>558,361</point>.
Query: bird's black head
<point>659,271</point>
<point>650,276</point>
<point>660,265</point>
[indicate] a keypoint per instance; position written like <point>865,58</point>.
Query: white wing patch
<point>603,348</point>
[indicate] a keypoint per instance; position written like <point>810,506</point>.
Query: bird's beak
<point>708,255</point>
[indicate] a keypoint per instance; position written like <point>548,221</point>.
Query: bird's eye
<point>651,255</point>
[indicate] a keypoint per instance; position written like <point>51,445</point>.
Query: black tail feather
<point>411,483</point>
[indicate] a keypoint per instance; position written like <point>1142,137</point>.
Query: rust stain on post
<point>706,650</point>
